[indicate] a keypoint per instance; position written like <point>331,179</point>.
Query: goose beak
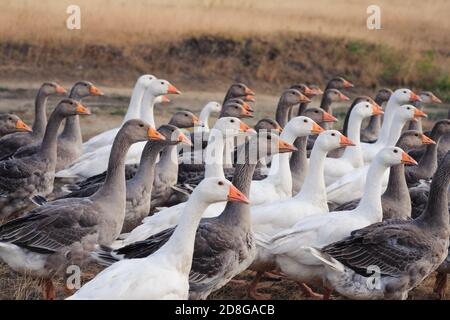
<point>317,91</point>
<point>22,126</point>
<point>426,140</point>
<point>344,141</point>
<point>326,117</point>
<point>435,99</point>
<point>60,89</point>
<point>234,195</point>
<point>419,114</point>
<point>246,113</point>
<point>284,147</point>
<point>249,98</point>
<point>279,129</point>
<point>80,109</point>
<point>414,97</point>
<point>165,99</point>
<point>195,120</point>
<point>348,84</point>
<point>343,97</point>
<point>407,159</point>
<point>152,134</point>
<point>316,129</point>
<point>184,140</point>
<point>249,92</point>
<point>243,127</point>
<point>309,91</point>
<point>93,90</point>
<point>304,98</point>
<point>247,107</point>
<point>376,109</point>
<point>172,89</point>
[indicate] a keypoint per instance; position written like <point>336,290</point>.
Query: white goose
<point>96,162</point>
<point>398,98</point>
<point>164,274</point>
<point>288,246</point>
<point>209,108</point>
<point>350,186</point>
<point>352,157</point>
<point>134,109</point>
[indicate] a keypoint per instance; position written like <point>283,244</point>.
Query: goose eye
<point>10,118</point>
<point>220,183</point>
<point>333,134</point>
<point>316,111</point>
<point>395,151</point>
<point>232,120</point>
<point>185,115</point>
<point>141,125</point>
<point>269,137</point>
<point>305,121</point>
<point>404,91</point>
<point>85,84</point>
<point>367,106</point>
<point>162,83</point>
<point>416,135</point>
<point>408,108</point>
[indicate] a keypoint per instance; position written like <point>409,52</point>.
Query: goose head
<point>137,130</point>
<point>84,89</point>
<point>408,112</point>
<point>304,89</point>
<point>316,90</point>
<point>366,109</point>
<point>70,107</point>
<point>319,115</point>
<point>332,139</point>
<point>145,80</point>
<point>51,88</point>
<point>339,83</point>
<point>174,135</point>
<point>292,97</point>
<point>232,126</point>
<point>213,190</point>
<point>160,87</point>
<point>391,156</point>
<point>240,90</point>
<point>265,144</point>
<point>413,139</point>
<point>241,102</point>
<point>13,123</point>
<point>383,95</point>
<point>267,124</point>
<point>402,96</point>
<point>335,95</point>
<point>213,106</point>
<point>234,109</point>
<point>302,126</point>
<point>428,97</point>
<point>441,127</point>
<point>184,119</point>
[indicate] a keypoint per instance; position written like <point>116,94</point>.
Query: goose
<point>273,217</point>
<point>241,91</point>
<point>224,245</point>
<point>289,98</point>
<point>29,176</point>
<point>10,123</point>
<point>70,141</point>
<point>352,157</point>
<point>403,252</point>
<point>349,187</point>
<point>47,239</point>
<point>318,230</point>
<point>444,144</point>
<point>339,83</point>
<point>210,107</point>
<point>426,97</point>
<point>165,273</point>
<point>335,84</point>
<point>400,97</point>
<point>96,162</point>
<point>10,143</point>
<point>307,92</point>
<point>396,201</point>
<point>371,132</point>
<point>134,110</point>
<point>428,163</point>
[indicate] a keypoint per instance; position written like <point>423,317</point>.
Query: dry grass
<point>406,23</point>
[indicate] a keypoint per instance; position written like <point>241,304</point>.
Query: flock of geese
<point>335,211</point>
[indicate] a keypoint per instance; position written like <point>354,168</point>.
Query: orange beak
<point>436,99</point>
<point>234,195</point>
<point>247,107</point>
<point>249,92</point>
<point>243,127</point>
<point>348,84</point>
<point>426,140</point>
<point>316,129</point>
<point>82,109</point>
<point>246,113</point>
<point>343,97</point>
<point>154,135</point>
<point>184,140</point>
<point>22,126</point>
<point>60,89</point>
<point>344,141</point>
<point>93,90</point>
<point>165,99</point>
<point>304,98</point>
<point>309,91</point>
<point>173,90</point>
<point>414,97</point>
<point>326,117</point>
<point>317,91</point>
<point>279,129</point>
<point>419,114</point>
<point>195,119</point>
<point>284,147</point>
<point>250,98</point>
<point>407,159</point>
<point>376,109</point>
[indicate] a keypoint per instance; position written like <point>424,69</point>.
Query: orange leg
<point>253,293</point>
<point>308,292</point>
<point>49,291</point>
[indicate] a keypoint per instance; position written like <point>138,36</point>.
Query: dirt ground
<point>107,113</point>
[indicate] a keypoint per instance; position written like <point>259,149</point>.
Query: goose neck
<point>134,107</point>
<point>388,116</point>
<point>282,112</point>
<point>40,114</point>
<point>429,160</point>
<point>354,153</point>
<point>214,154</point>
<point>299,164</point>
<point>48,146</point>
<point>72,129</point>
<point>280,170</point>
<point>395,131</point>
<point>148,104</point>
<point>204,119</point>
<point>397,190</point>
<point>168,163</point>
<point>146,170</point>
